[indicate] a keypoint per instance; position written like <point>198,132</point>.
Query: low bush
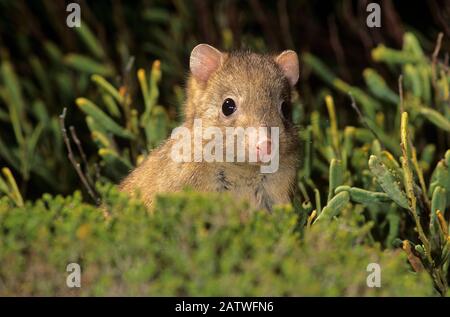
<point>374,180</point>
<point>191,245</point>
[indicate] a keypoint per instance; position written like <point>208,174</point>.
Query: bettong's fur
<point>258,84</point>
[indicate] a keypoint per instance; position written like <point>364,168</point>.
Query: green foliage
<point>36,147</point>
<point>191,245</point>
<point>47,73</point>
<point>8,187</point>
<point>370,176</point>
<point>123,120</point>
<point>378,185</point>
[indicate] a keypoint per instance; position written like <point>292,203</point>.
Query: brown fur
<point>259,84</point>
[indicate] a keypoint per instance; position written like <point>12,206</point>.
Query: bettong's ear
<point>204,61</point>
<point>288,61</point>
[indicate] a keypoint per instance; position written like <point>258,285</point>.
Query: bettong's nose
<point>264,149</point>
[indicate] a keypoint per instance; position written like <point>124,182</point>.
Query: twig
<point>361,117</point>
<point>437,48</point>
<point>77,142</point>
<point>72,159</point>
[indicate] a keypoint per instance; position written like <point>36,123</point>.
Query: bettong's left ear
<point>204,61</point>
<point>288,62</point>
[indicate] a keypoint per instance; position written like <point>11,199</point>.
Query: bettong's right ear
<point>288,62</point>
<point>204,61</point>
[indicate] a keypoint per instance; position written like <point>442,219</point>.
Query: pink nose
<point>264,147</point>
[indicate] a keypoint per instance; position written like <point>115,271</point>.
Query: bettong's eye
<point>286,111</point>
<point>228,107</point>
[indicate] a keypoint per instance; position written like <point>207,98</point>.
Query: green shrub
<point>190,245</point>
<point>386,178</point>
<point>384,165</point>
